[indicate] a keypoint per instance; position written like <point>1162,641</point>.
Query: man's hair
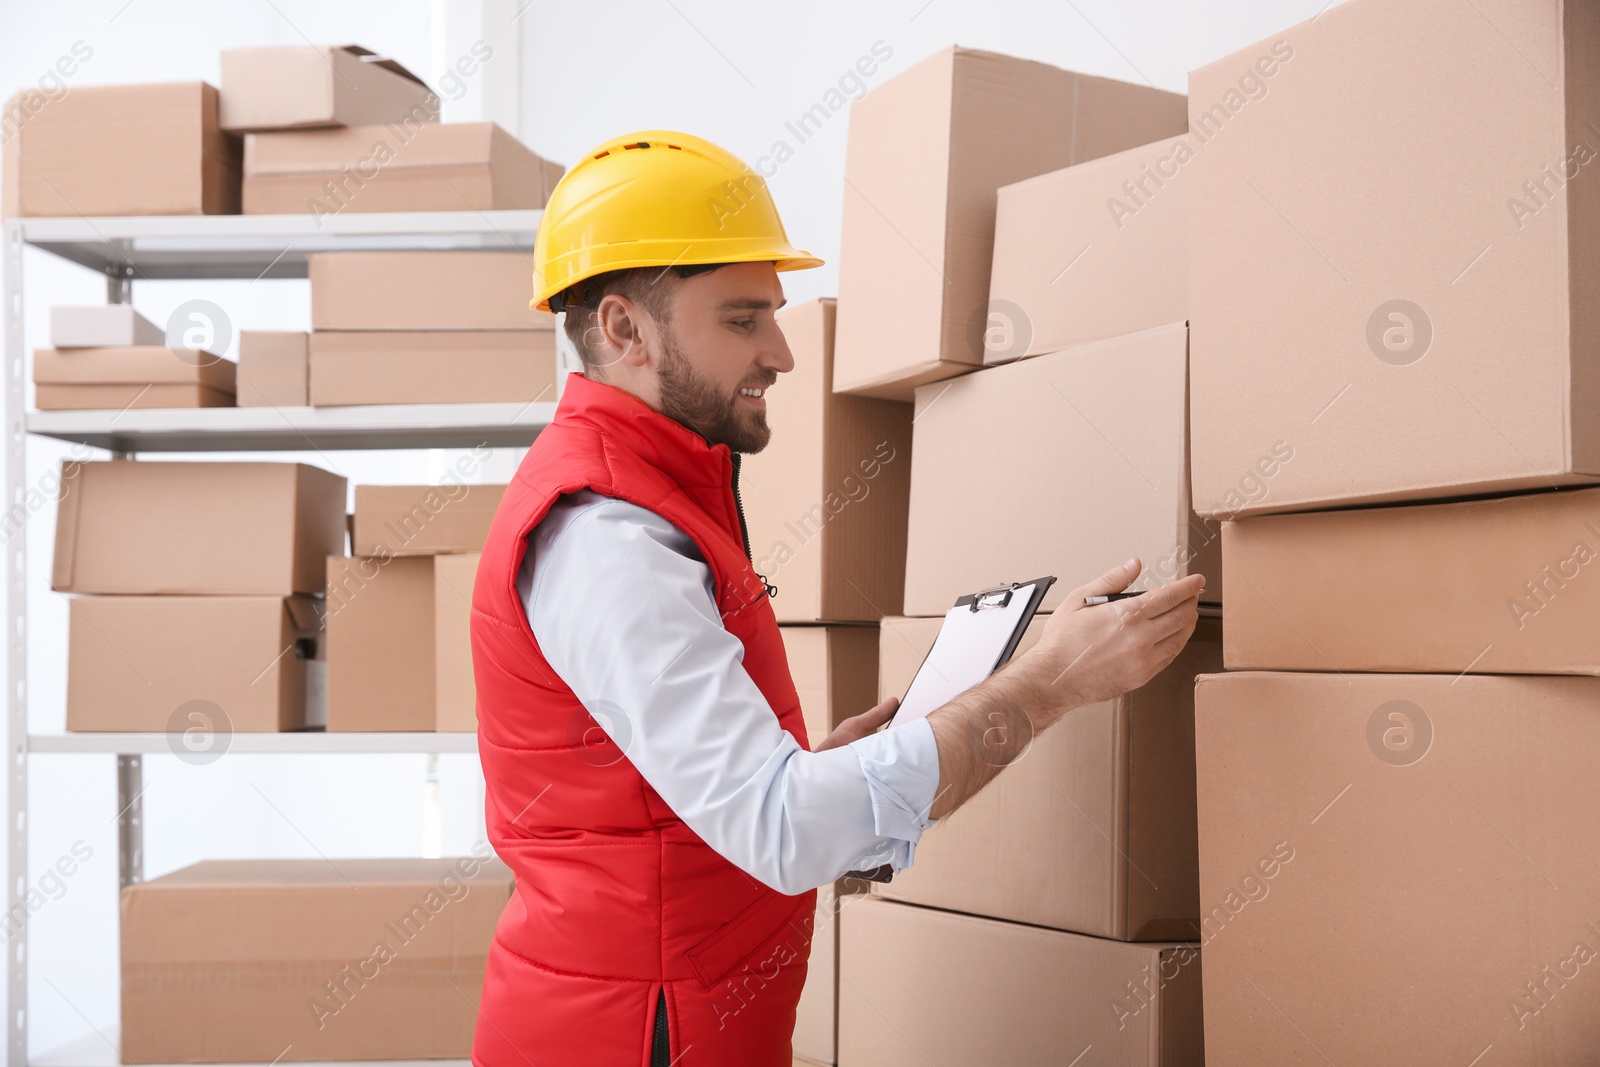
<point>651,288</point>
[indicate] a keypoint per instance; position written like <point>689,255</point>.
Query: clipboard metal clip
<point>998,597</point>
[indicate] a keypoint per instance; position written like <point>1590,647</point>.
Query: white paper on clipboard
<point>966,651</point>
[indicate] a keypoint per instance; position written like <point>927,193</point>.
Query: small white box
<point>102,326</point>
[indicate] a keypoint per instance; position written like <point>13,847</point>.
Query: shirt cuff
<point>901,768</point>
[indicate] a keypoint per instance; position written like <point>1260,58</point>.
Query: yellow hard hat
<point>656,198</point>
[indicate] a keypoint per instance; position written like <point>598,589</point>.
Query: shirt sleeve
<point>622,605</point>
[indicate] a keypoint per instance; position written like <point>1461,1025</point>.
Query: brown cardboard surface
<point>1090,252</point>
<point>272,369</point>
<point>1409,329</point>
<point>412,166</point>
<point>127,150</point>
<point>927,150</point>
<point>231,960</point>
<point>815,1037</point>
<point>455,688</point>
<point>1092,829</point>
<point>219,664</point>
<point>102,326</point>
<point>422,291</point>
<point>422,520</point>
<point>1065,464</point>
<point>1391,848</point>
<point>920,986</point>
<point>196,527</point>
<point>825,501</point>
<point>835,671</point>
<point>437,367</point>
<point>133,365</point>
<point>1496,586</point>
<point>118,397</point>
<point>382,669</point>
<point>301,86</point>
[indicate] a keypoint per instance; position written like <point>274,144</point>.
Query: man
<point>649,777</point>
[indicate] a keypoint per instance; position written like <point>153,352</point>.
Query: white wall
<point>565,75</point>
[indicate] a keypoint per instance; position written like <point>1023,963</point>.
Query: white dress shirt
<point>624,609</point>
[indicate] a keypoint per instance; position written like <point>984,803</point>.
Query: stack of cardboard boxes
<point>426,328</point>
<point>1395,376</point>
<point>1059,907</point>
<point>399,608</point>
<point>110,356</point>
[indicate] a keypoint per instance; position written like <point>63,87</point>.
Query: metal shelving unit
<point>126,250</point>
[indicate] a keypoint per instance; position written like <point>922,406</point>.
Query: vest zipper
<point>744,531</point>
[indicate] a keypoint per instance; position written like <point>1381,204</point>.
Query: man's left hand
<point>858,726</point>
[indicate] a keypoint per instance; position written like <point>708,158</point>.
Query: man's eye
<point>745,324</point>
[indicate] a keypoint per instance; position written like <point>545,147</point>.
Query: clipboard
<point>979,635</point>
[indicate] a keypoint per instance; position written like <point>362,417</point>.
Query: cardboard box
<point>102,326</point>
<point>1091,252</point>
<point>422,520</point>
<point>261,960</point>
<point>301,86</point>
<point>273,369</point>
<point>1093,829</point>
<point>139,376</point>
<point>126,150</point>
<point>835,671</point>
<point>816,1023</point>
<point>412,166</point>
<point>196,527</point>
<point>399,645</point>
<point>1065,464</point>
<point>1494,586</point>
<point>223,664</point>
<point>455,687</point>
<point>825,502</point>
<point>1357,300</point>
<point>921,986</point>
<point>1390,848</point>
<point>438,367</point>
<point>423,291</point>
<point>927,150</point>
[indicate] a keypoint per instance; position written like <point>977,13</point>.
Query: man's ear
<point>623,328</point>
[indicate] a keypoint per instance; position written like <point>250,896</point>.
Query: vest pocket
<point>714,958</point>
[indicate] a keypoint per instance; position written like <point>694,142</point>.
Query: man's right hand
<point>1090,653</point>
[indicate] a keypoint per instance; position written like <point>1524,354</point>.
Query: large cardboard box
<point>125,150</point>
<point>306,86</point>
<point>141,376</point>
<point>455,687</point>
<point>816,1021</point>
<point>1497,586</point>
<point>422,520</point>
<point>431,367</point>
<point>196,527</point>
<point>1401,302</point>
<point>1065,464</point>
<point>220,664</point>
<point>1092,829</point>
<point>409,166</point>
<point>1379,849</point>
<point>920,986</point>
<point>273,369</point>
<point>927,150</point>
<point>423,291</point>
<point>399,643</point>
<point>348,959</point>
<point>835,671</point>
<point>825,501</point>
<point>102,326</point>
<point>1090,252</point>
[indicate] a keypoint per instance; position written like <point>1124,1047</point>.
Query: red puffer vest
<point>616,899</point>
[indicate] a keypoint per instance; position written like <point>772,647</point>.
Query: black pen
<point>1110,597</point>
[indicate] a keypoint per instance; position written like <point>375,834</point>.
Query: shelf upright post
<point>14,526</point>
<point>119,284</point>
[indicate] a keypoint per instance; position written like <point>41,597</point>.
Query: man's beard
<point>687,398</point>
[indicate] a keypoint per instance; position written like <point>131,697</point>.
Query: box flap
<point>366,55</point>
